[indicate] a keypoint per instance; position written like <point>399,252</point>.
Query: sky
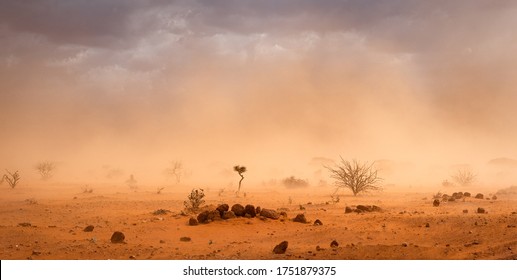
<point>125,87</point>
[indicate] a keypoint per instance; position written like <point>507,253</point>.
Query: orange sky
<point>133,85</point>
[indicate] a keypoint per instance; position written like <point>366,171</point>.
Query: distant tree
<point>45,169</point>
<point>131,182</point>
<point>240,169</point>
<point>293,182</point>
<point>464,177</point>
<point>358,177</point>
<point>11,178</point>
<point>175,170</point>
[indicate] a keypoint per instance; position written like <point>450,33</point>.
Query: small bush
<point>45,169</point>
<point>464,177</point>
<point>293,183</point>
<point>11,178</point>
<point>194,200</point>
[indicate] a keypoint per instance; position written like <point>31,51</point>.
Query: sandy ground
<point>47,222</point>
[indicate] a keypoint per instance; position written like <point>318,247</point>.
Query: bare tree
<point>464,177</point>
<point>45,169</point>
<point>11,178</point>
<point>240,169</point>
<point>356,176</point>
<point>175,170</point>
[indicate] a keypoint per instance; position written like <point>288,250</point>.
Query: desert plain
<point>49,222</point>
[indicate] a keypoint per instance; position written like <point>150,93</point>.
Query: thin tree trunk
<point>242,178</point>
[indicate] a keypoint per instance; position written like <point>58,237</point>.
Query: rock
<point>229,215</point>
<point>479,196</point>
<point>465,211</point>
<point>436,203</point>
<point>481,210</point>
<point>192,222</point>
<point>117,237</point>
<point>36,252</point>
<point>185,239</point>
<point>376,208</point>
<point>202,218</point>
<point>300,218</point>
<point>161,212</point>
<point>269,213</point>
<point>404,244</point>
<point>318,223</point>
<point>427,225</point>
<point>348,210</point>
<point>466,194</point>
<point>451,199</point>
<point>494,197</point>
<point>258,210</point>
<point>238,210</point>
<point>334,244</point>
<point>88,228</point>
<point>24,224</point>
<point>280,248</point>
<point>250,210</point>
<point>223,208</point>
<point>214,216</point>
<point>364,208</point>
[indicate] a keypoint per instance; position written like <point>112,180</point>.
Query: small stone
<point>193,222</point>
<point>117,237</point>
<point>88,228</point>
<point>427,225</point>
<point>494,197</point>
<point>36,252</point>
<point>481,210</point>
<point>185,239</point>
<point>348,210</point>
<point>258,210</point>
<point>281,248</point>
<point>465,211</point>
<point>334,244</point>
<point>436,203</point>
<point>132,257</point>
<point>479,196</point>
<point>223,208</point>
<point>466,194</point>
<point>404,244</point>
<point>270,213</point>
<point>162,241</point>
<point>364,208</point>
<point>318,223</point>
<point>24,224</point>
<point>300,218</point>
<point>250,210</point>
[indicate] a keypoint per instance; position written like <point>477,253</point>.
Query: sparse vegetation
<point>176,170</point>
<point>131,182</point>
<point>86,189</point>
<point>356,176</point>
<point>45,169</point>
<point>293,182</point>
<point>464,177</point>
<point>11,178</point>
<point>240,169</point>
<point>159,190</point>
<point>194,200</point>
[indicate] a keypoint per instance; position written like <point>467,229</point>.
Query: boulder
<point>318,223</point>
<point>192,222</point>
<point>334,244</point>
<point>481,210</point>
<point>269,213</point>
<point>258,210</point>
<point>300,218</point>
<point>238,210</point>
<point>281,248</point>
<point>117,237</point>
<point>88,228</point>
<point>348,210</point>
<point>202,218</point>
<point>436,203</point>
<point>228,215</point>
<point>479,196</point>
<point>364,208</point>
<point>223,208</point>
<point>466,194</point>
<point>214,216</point>
<point>250,210</point>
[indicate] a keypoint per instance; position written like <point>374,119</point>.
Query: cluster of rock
<point>457,196</point>
<point>224,212</point>
<point>362,209</point>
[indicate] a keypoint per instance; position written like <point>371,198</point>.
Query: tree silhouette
<point>240,169</point>
<point>358,177</point>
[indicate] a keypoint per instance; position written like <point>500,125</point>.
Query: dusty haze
<point>106,90</point>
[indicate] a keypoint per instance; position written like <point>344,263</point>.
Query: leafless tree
<point>45,169</point>
<point>464,177</point>
<point>356,176</point>
<point>175,170</point>
<point>240,169</point>
<point>11,178</point>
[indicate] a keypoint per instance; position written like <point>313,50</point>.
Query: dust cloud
<point>130,88</point>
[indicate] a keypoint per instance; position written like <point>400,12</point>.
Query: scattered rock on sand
<point>479,196</point>
<point>334,244</point>
<point>481,210</point>
<point>117,237</point>
<point>192,222</point>
<point>88,228</point>
<point>238,210</point>
<point>280,248</point>
<point>228,215</point>
<point>436,203</point>
<point>318,223</point>
<point>348,210</point>
<point>185,239</point>
<point>270,213</point>
<point>250,210</point>
<point>300,218</point>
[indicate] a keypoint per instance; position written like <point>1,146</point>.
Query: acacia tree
<point>175,170</point>
<point>356,176</point>
<point>45,169</point>
<point>240,169</point>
